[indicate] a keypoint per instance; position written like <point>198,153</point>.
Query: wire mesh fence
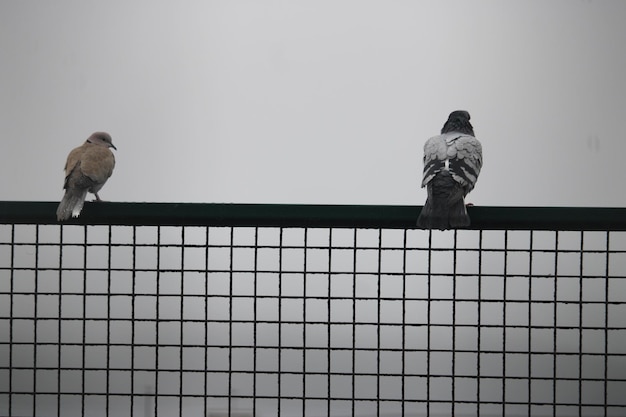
<point>309,320</point>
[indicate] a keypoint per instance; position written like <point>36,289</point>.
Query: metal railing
<point>310,310</point>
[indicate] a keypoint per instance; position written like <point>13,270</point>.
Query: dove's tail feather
<point>71,204</point>
<point>445,205</point>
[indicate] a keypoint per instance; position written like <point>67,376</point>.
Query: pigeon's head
<point>101,139</point>
<point>459,115</point>
<point>458,121</point>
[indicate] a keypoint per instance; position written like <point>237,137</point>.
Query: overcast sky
<point>325,101</point>
<point>319,101</point>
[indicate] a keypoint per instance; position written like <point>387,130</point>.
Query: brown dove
<point>87,168</point>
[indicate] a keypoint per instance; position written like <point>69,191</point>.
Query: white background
<point>319,101</point>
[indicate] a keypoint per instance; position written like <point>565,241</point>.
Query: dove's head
<point>101,139</point>
<point>458,121</point>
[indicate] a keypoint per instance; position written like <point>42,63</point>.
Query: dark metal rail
<point>370,322</point>
<point>311,215</point>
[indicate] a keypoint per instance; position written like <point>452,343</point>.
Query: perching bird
<point>452,162</point>
<point>87,168</point>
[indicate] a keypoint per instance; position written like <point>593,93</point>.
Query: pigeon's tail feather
<point>457,215</point>
<point>430,218</point>
<point>445,205</point>
<point>72,204</point>
<point>439,214</point>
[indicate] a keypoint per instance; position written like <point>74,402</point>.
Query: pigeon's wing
<point>465,157</point>
<point>435,155</point>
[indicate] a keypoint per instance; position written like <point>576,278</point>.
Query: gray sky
<point>319,101</point>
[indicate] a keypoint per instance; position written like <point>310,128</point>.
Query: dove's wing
<point>97,163</point>
<point>89,166</point>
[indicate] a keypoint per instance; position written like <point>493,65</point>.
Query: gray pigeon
<point>452,162</point>
<point>87,168</point>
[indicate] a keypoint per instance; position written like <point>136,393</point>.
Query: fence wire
<point>298,321</point>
